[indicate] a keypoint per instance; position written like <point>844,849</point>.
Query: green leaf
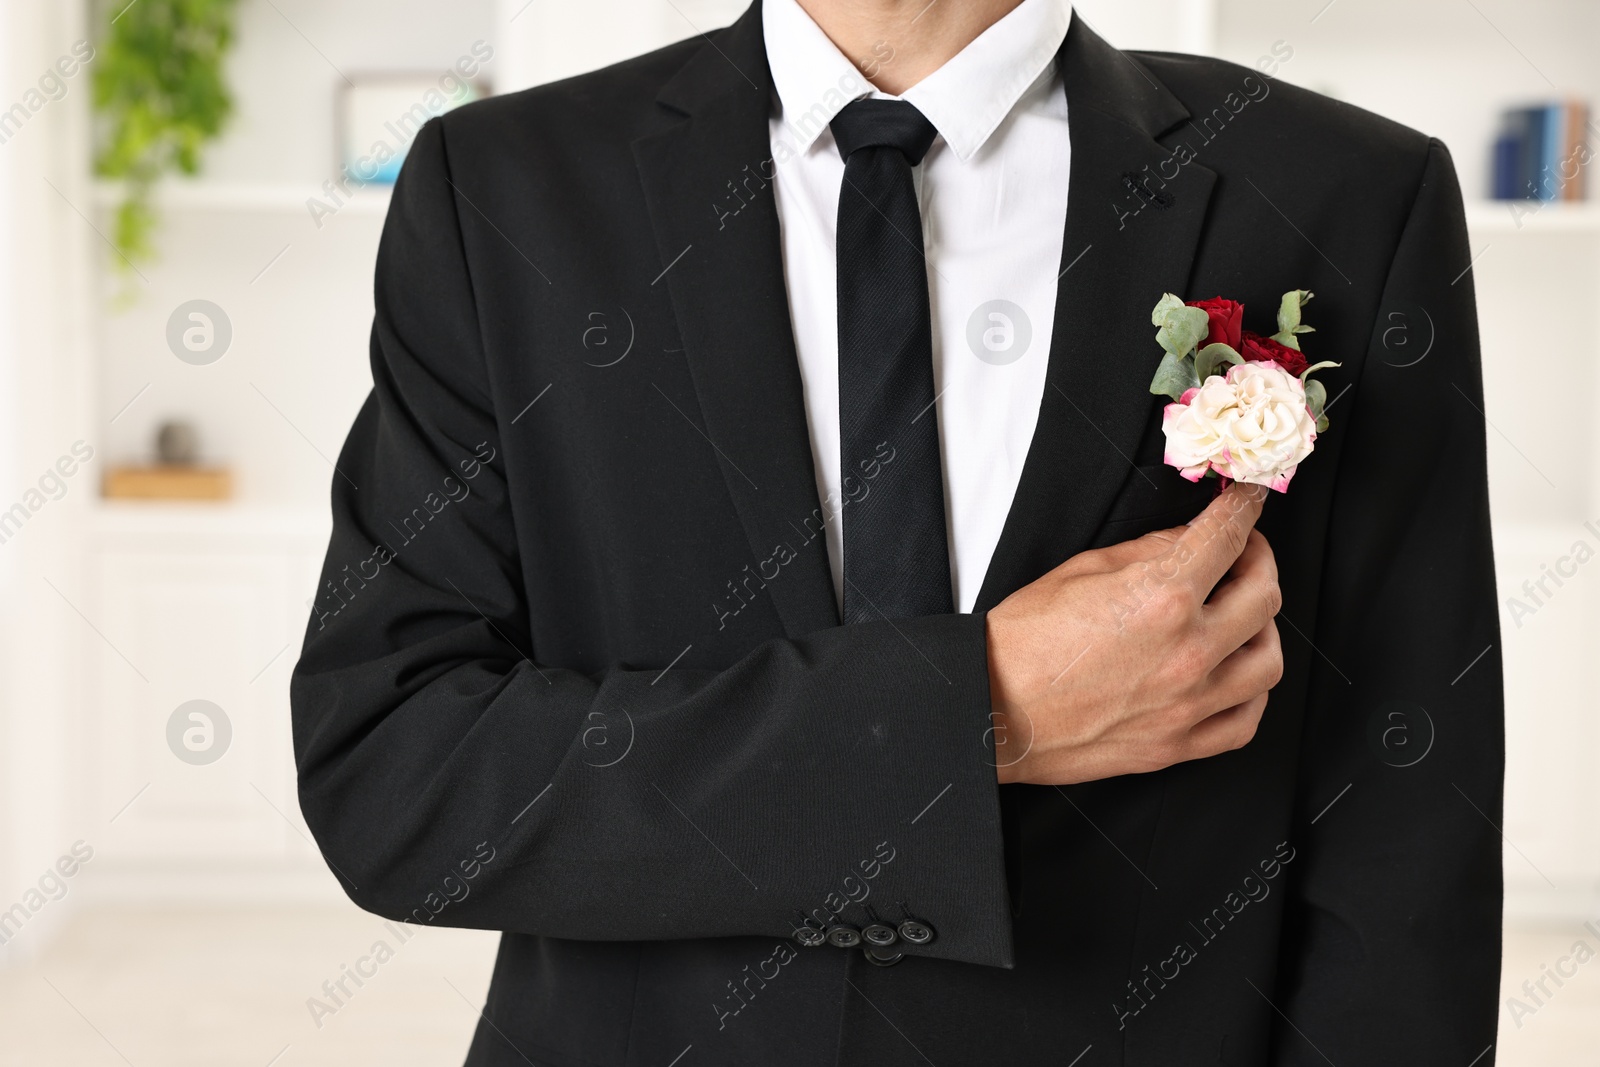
<point>1211,357</point>
<point>1168,303</point>
<point>1289,309</point>
<point>1182,330</point>
<point>1322,424</point>
<point>1316,397</point>
<point>1287,339</point>
<point>1315,367</point>
<point>1174,377</point>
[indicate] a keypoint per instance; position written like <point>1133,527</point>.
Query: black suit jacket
<point>576,671</point>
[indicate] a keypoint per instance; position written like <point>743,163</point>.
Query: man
<point>756,587</point>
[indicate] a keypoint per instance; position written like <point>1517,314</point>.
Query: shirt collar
<point>966,99</point>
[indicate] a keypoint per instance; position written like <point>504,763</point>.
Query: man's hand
<point>1132,658</point>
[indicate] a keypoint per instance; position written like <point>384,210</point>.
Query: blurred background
<point>182,353</point>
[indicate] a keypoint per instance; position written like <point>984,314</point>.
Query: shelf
<point>1522,216</point>
<point>232,520</point>
<point>1523,538</point>
<point>243,197</point>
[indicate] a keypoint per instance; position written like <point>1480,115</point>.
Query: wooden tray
<point>168,483</point>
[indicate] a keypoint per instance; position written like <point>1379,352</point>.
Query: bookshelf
<point>1499,216</point>
<point>245,197</point>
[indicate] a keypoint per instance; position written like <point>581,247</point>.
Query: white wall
<point>549,39</point>
<point>45,405</point>
<point>546,39</point>
<point>1441,66</point>
<point>1156,25</point>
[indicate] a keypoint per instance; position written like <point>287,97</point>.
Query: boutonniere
<point>1246,408</point>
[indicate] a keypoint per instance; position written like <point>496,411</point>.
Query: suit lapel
<point>1122,250</point>
<point>724,272</point>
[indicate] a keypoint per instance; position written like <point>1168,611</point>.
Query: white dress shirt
<point>993,195</point>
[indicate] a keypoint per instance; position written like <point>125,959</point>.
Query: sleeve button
<point>879,935</point>
<point>843,936</point>
<point>916,932</point>
<point>882,957</point>
<point>809,937</point>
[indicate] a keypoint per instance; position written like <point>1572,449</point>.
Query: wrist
<point>1006,748</point>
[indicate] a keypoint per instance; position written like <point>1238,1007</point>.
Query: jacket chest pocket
<point>1155,497</point>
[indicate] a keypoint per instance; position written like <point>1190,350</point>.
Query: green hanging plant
<point>160,95</point>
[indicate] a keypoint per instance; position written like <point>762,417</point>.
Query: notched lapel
<point>1122,250</point>
<point>722,264</point>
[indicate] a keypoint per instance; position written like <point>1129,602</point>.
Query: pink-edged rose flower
<point>1258,349</point>
<point>1227,321</point>
<point>1250,426</point>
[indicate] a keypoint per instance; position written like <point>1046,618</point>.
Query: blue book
<point>1552,148</point>
<point>1507,149</point>
<point>1530,120</point>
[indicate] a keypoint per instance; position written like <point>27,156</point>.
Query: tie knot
<point>883,124</point>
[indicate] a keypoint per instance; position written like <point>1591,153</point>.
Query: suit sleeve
<point>450,776</point>
<point>1392,953</point>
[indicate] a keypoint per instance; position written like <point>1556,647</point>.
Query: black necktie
<point>896,561</point>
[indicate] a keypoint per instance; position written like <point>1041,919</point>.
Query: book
<point>1542,153</point>
<point>1506,150</point>
<point>1531,122</point>
<point>1552,144</point>
<point>1576,159</point>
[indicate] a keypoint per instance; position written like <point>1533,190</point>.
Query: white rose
<point>1251,426</point>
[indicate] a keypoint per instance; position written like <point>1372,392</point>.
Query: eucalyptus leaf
<point>1183,329</point>
<point>1322,424</point>
<point>1168,304</point>
<point>1315,367</point>
<point>1287,340</point>
<point>1174,377</point>
<point>1289,309</point>
<point>1211,357</point>
<point>1316,398</point>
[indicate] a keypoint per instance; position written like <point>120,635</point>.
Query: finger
<point>1244,603</point>
<point>1251,669</point>
<point>1255,544</point>
<point>1213,541</point>
<point>1227,730</point>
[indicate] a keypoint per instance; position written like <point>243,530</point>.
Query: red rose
<point>1258,349</point>
<point>1227,319</point>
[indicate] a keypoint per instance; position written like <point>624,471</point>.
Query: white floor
<point>224,988</point>
<point>184,988</point>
